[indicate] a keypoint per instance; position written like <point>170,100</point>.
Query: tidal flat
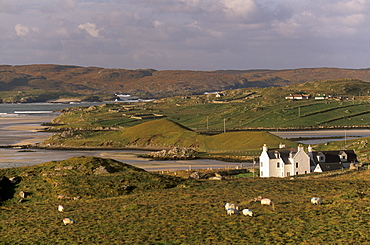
<point>24,130</point>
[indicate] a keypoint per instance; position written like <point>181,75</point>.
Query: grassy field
<point>239,109</point>
<point>172,210</point>
<point>163,133</point>
<point>217,125</point>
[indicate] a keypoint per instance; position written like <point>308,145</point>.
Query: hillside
<point>94,177</point>
<point>346,106</point>
<point>216,124</point>
<point>163,133</point>
<point>30,83</point>
<point>191,212</point>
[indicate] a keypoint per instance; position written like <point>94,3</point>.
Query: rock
<point>101,170</point>
<point>22,194</point>
<point>175,153</point>
<point>15,180</point>
<point>195,175</point>
<point>217,178</point>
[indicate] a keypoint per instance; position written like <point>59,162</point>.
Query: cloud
<point>240,7</point>
<point>67,5</point>
<point>187,34</point>
<point>90,28</point>
<point>23,30</point>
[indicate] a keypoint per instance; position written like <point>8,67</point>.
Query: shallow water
<point>18,158</point>
<point>344,134</point>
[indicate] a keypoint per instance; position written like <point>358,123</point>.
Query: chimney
<point>300,147</point>
<point>309,148</point>
<point>264,148</point>
<point>281,145</point>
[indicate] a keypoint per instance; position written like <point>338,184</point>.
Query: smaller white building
<point>283,162</point>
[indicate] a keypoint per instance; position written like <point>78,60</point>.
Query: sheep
<point>231,205</point>
<point>60,208</point>
<point>67,221</point>
<point>247,212</point>
<point>231,211</point>
<point>316,200</point>
<point>266,201</point>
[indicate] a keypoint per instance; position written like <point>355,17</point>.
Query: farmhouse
<point>283,162</point>
<point>331,160</point>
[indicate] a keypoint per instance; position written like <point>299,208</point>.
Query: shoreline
<point>24,132</point>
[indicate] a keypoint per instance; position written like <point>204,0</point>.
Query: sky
<point>186,34</point>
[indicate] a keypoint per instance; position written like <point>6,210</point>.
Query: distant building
<point>220,94</point>
<point>298,97</point>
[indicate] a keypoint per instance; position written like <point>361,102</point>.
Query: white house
<point>297,97</point>
<point>283,163</point>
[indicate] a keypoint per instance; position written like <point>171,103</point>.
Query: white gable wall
<point>264,164</point>
<point>271,168</point>
<point>300,162</point>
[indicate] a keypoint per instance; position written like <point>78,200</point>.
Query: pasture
<point>192,212</point>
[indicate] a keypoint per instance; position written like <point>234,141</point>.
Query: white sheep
<point>231,211</point>
<point>266,201</point>
<point>247,212</point>
<point>231,205</point>
<point>316,200</point>
<point>60,208</point>
<point>67,221</point>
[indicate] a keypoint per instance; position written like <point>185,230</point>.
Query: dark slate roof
<point>330,166</point>
<point>331,156</point>
<point>351,155</point>
<point>283,154</point>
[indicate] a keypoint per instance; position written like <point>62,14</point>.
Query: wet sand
<point>24,130</point>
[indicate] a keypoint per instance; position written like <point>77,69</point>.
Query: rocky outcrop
<point>175,153</point>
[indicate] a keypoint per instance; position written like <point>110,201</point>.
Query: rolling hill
<point>29,83</point>
<point>164,133</point>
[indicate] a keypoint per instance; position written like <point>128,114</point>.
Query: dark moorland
<point>35,83</point>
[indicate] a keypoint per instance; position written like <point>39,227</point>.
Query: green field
<point>239,109</point>
<point>165,209</point>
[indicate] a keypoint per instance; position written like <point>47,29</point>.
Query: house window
<point>261,164</point>
<point>282,174</point>
<point>261,173</point>
<point>287,173</point>
<point>305,172</point>
<point>278,165</point>
<point>296,173</point>
<point>296,165</point>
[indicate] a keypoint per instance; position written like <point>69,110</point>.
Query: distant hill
<point>66,80</point>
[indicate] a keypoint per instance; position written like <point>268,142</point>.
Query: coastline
<point>25,130</point>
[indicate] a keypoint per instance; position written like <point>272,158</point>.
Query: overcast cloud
<point>186,34</point>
